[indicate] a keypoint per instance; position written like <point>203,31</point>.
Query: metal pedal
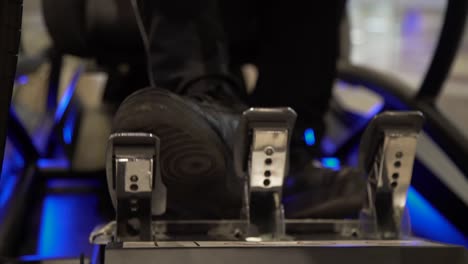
<point>135,184</point>
<point>387,153</point>
<point>261,157</point>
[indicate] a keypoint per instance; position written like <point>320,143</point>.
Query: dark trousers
<point>293,43</point>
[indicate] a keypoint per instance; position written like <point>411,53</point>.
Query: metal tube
<point>449,40</point>
<point>10,24</point>
<point>13,216</point>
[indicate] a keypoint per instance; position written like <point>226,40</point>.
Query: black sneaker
<point>312,191</point>
<point>316,192</point>
<point>196,130</point>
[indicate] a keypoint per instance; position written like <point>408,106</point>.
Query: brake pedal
<point>387,153</point>
<point>135,184</point>
<point>261,157</point>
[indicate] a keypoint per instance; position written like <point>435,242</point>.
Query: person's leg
<point>296,59</point>
<point>193,108</point>
<point>297,56</point>
<point>187,41</point>
<point>240,21</point>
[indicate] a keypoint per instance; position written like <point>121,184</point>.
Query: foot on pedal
<point>195,131</point>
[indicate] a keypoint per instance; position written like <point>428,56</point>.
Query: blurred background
<point>395,37</point>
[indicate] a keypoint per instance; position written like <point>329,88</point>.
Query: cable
<point>145,39</point>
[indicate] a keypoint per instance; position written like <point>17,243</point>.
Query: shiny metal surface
<point>138,174</point>
<point>387,154</point>
<point>168,230</point>
<point>139,244</point>
<point>297,252</point>
<point>269,154</point>
<point>139,160</point>
<point>308,243</point>
<point>102,234</point>
<point>399,155</point>
<point>393,171</point>
<point>236,230</point>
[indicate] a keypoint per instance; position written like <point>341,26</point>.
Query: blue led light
<point>67,96</point>
<point>67,134</point>
<point>18,160</point>
<point>62,163</point>
<point>375,109</point>
<point>95,255</point>
<point>12,165</point>
<point>72,183</point>
<point>309,136</point>
<point>65,225</point>
<point>69,127</point>
<point>31,258</point>
<point>331,163</point>
<point>428,223</point>
<point>22,80</point>
<point>7,185</point>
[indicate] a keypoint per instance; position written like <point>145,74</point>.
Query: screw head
<point>134,178</point>
<point>269,151</point>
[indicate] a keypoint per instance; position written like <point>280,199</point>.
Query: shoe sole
<point>193,158</point>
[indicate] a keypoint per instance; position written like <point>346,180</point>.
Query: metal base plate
<point>297,252</point>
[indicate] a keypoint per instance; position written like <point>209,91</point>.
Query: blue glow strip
<point>69,127</point>
<point>309,137</point>
<point>67,96</point>
<point>67,133</point>
<point>18,160</point>
<point>72,183</point>
<point>7,185</point>
<point>428,223</point>
<point>60,163</point>
<point>31,258</point>
<point>55,220</point>
<point>95,255</point>
<point>375,109</point>
<point>12,165</point>
<point>66,223</point>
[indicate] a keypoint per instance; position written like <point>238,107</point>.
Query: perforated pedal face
<point>269,157</point>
